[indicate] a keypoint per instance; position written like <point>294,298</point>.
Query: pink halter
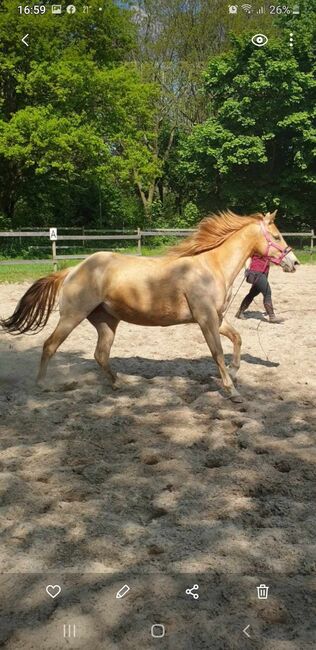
<point>273,244</point>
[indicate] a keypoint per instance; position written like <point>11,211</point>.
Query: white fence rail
<point>117,235</point>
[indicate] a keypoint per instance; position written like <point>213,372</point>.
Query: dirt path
<point>165,474</point>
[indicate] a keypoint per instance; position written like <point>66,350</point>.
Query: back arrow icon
<point>246,633</point>
<point>24,40</point>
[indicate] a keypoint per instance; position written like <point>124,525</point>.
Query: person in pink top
<point>257,275</point>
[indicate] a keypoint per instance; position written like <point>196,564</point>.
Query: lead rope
<point>234,296</point>
<point>259,341</point>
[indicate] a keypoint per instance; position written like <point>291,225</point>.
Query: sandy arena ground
<point>163,482</point>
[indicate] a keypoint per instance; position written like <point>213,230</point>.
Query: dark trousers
<point>260,284</point>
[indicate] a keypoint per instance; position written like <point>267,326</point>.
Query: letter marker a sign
<point>53,234</point>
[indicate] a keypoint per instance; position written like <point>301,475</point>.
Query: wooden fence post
<point>312,240</point>
<point>139,242</point>
<point>54,255</point>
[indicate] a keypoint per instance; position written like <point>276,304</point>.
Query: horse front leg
<point>207,318</point>
<point>226,329</point>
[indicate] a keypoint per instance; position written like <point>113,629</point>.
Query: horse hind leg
<point>105,325</point>
<point>64,327</point>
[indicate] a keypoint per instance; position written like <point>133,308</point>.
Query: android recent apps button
<point>157,631</point>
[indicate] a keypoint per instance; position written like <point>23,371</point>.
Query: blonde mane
<point>211,232</point>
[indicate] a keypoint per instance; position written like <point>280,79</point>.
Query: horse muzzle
<point>289,263</point>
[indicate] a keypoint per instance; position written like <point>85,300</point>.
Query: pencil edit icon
<point>122,592</point>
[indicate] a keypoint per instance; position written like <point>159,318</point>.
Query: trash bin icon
<point>263,592</point>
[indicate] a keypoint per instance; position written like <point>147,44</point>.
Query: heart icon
<point>53,590</point>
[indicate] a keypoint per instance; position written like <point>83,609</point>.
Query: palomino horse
<point>191,284</point>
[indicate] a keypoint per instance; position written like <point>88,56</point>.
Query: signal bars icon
<point>247,8</point>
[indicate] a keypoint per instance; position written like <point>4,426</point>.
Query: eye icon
<point>259,40</point>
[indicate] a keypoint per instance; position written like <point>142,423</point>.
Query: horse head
<point>273,246</point>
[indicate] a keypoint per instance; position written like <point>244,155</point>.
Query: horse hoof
<point>117,384</point>
<point>237,399</point>
<point>232,370</point>
<point>67,386</point>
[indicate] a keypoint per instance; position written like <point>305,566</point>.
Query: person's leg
<point>267,297</point>
<point>267,303</point>
<point>264,287</point>
<point>254,291</point>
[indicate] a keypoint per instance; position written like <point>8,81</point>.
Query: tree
<point>72,114</point>
<point>176,40</point>
<point>256,150</point>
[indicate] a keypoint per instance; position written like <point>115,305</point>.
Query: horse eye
<point>277,237</point>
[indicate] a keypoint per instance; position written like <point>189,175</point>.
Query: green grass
<point>305,257</point>
<point>26,272</point>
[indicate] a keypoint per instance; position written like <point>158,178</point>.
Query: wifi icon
<point>247,8</point>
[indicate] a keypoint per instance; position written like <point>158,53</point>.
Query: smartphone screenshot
<point>157,325</point>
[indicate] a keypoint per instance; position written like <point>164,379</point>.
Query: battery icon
<point>296,10</point>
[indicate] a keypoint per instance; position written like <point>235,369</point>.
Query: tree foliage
<point>155,111</point>
<point>71,117</point>
<point>256,149</point>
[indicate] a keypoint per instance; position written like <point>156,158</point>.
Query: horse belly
<point>146,293</point>
<point>158,314</point>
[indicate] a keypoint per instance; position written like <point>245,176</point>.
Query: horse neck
<point>233,253</point>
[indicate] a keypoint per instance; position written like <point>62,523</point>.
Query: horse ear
<point>270,218</point>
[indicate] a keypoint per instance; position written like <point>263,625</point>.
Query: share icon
<point>189,592</point>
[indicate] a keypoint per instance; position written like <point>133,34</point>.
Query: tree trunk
<point>147,201</point>
<point>8,193</point>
